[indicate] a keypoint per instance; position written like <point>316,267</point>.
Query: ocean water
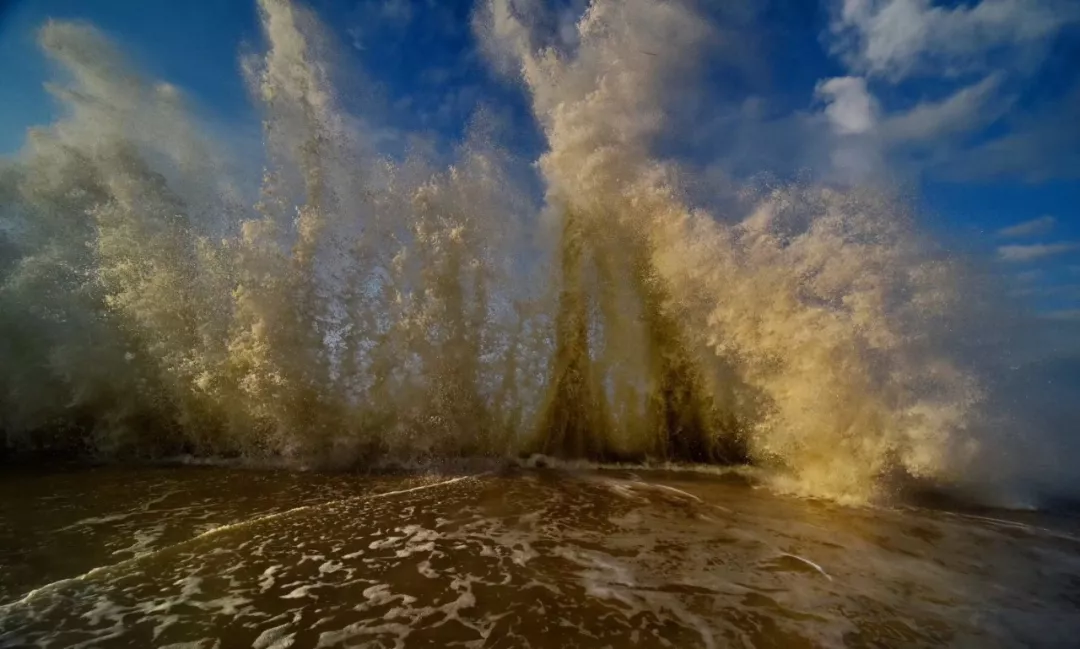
<point>514,557</point>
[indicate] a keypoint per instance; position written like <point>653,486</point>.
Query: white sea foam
<point>275,638</point>
<point>191,584</point>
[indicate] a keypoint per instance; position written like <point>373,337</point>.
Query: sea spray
<point>363,307</point>
<point>812,313</point>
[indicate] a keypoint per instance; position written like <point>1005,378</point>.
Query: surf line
<point>41,590</point>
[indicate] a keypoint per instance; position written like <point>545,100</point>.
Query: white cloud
<point>398,11</point>
<point>969,108</point>
<point>1039,146</point>
<point>885,42</point>
<point>370,18</point>
<point>1066,315</point>
<point>898,38</point>
<point>1030,276</point>
<point>1041,225</point>
<point>855,152</point>
<point>356,38</point>
<point>850,108</point>
<point>1057,292</point>
<point>864,136</point>
<point>1035,251</point>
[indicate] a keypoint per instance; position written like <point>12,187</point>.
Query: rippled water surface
<point>212,557</point>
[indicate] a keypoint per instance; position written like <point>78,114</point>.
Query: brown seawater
<point>218,557</point>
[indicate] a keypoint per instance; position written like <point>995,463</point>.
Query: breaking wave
<point>364,307</point>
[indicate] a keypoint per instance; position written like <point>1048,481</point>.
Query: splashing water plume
<point>365,308</point>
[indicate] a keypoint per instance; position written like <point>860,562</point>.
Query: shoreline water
<point>206,552</point>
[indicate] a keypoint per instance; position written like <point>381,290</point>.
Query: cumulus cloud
<point>1035,251</point>
<point>898,38</point>
<point>850,108</point>
<point>887,44</point>
<point>1041,225</point>
<point>853,148</point>
<point>866,136</point>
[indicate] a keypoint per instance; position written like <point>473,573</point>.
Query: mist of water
<point>364,308</point>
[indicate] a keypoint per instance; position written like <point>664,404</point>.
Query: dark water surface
<point>214,557</point>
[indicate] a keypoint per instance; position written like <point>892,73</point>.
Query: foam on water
<point>191,584</point>
<point>274,638</point>
<point>541,559</point>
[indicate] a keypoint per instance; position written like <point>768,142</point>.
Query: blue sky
<point>976,104</point>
